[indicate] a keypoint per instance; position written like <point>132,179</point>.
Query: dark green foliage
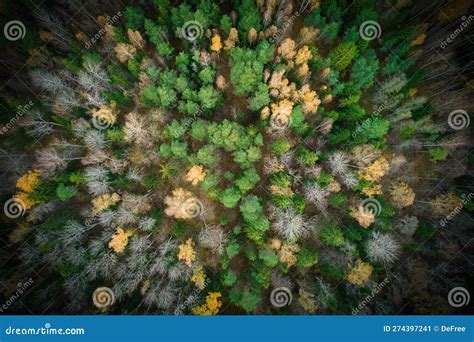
<point>232,249</point>
<point>65,192</point>
<point>210,182</point>
<point>249,17</point>
<point>297,118</point>
<point>155,35</point>
<point>199,129</point>
<point>332,271</point>
<point>246,299</point>
<point>150,181</point>
<point>246,157</point>
<point>121,181</point>
<point>306,156</point>
<point>425,231</point>
<point>229,278</point>
<point>364,69</point>
<point>207,75</point>
<point>207,155</point>
<point>57,220</point>
<point>306,257</point>
<point>256,223</point>
<point>225,23</point>
<point>352,113</point>
<point>247,67</point>
<point>209,98</point>
<point>77,178</point>
<point>281,179</point>
<point>207,13</point>
<point>282,201</point>
<point>355,233</point>
<point>179,229</point>
<point>437,154</point>
<point>230,197</point>
<point>44,191</point>
<point>280,146</point>
<point>119,76</point>
<point>342,55</point>
<point>337,199</point>
<point>260,98</point>
<point>134,17</point>
<point>247,180</point>
<point>227,135</point>
<point>298,203</point>
<point>332,235</point>
<point>268,256</point>
<point>168,85</point>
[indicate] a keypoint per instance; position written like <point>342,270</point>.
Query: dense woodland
<point>236,157</point>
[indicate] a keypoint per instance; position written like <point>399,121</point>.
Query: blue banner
<point>237,328</point>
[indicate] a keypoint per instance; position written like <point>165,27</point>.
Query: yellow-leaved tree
<point>375,170</point>
<point>196,174</point>
<point>360,273</point>
<point>402,195</point>
<point>211,305</point>
<point>181,204</point>
<point>119,240</point>
<point>362,215</point>
<point>124,52</point>
<point>287,49</point>
<point>104,201</point>
<point>216,44</point>
<point>186,252</point>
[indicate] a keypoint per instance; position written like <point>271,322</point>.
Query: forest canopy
<point>202,157</point>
